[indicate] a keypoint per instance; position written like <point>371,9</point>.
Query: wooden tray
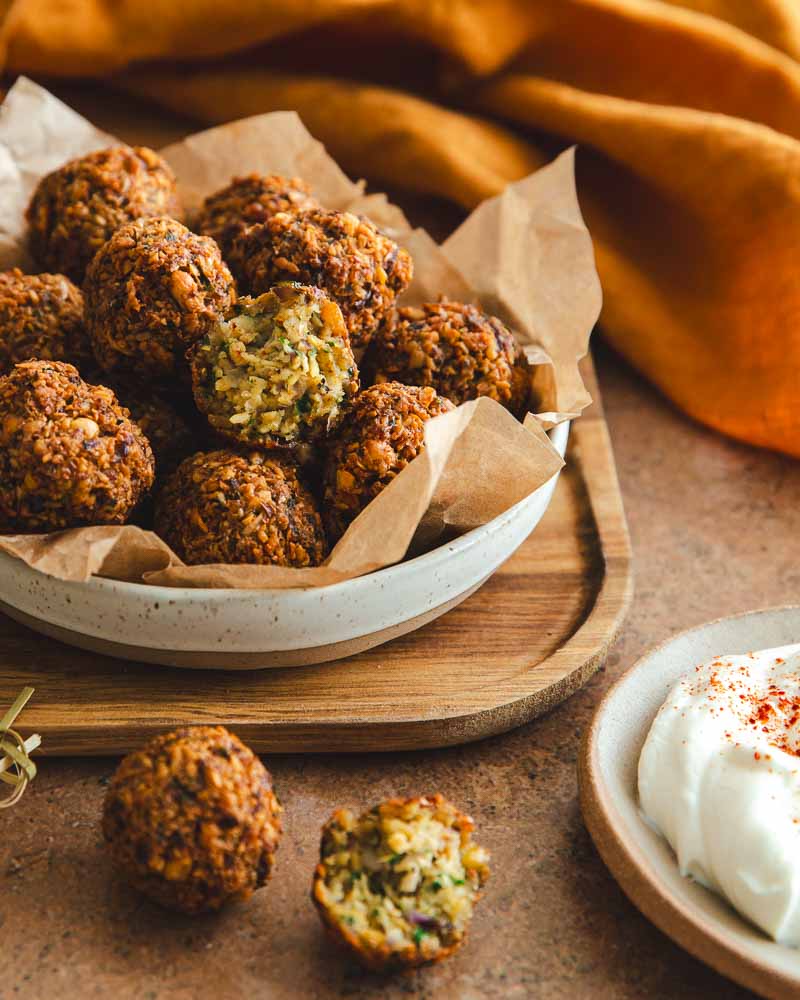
<point>526,640</point>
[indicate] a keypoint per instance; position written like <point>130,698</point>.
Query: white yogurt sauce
<point>719,777</point>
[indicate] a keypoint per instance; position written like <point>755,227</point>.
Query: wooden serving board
<point>522,643</point>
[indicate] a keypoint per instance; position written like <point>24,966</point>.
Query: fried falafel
<point>344,255</point>
<point>41,316</point>
<point>247,201</point>
<point>77,207</point>
<point>277,370</point>
<point>192,820</point>
<point>227,507</point>
<point>152,290</point>
<point>455,347</point>
<point>69,453</point>
<point>384,431</point>
<point>397,886</point>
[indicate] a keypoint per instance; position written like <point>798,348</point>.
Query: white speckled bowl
<point>244,629</point>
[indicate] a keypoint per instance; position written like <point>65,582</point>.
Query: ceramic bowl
<point>246,629</point>
<point>642,861</point>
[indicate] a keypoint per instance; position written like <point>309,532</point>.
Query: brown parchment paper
<point>525,255</point>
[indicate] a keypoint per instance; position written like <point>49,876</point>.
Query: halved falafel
<point>76,208</point>
<point>397,886</point>
<point>346,256</point>
<point>152,290</point>
<point>192,820</point>
<point>455,347</point>
<point>246,201</point>
<point>227,507</point>
<point>69,453</point>
<point>277,370</point>
<point>384,431</point>
<point>41,316</point>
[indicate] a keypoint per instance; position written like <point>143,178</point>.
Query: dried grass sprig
<point>16,767</point>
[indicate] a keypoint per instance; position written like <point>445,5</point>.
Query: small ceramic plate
<point>640,860</point>
<point>246,629</point>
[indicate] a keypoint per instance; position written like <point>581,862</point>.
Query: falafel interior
<point>277,370</point>
<point>398,885</point>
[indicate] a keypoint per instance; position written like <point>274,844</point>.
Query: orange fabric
<point>687,114</point>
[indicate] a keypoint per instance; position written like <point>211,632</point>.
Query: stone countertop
<point>708,521</point>
<point>553,922</point>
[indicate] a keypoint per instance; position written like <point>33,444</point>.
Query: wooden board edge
<point>575,661</point>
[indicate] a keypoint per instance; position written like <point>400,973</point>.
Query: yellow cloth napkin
<point>687,115</point>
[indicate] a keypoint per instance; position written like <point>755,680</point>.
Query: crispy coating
<point>247,201</point>
<point>455,347</point>
<point>397,886</point>
<point>384,431</point>
<point>192,820</point>
<point>76,208</point>
<point>165,421</point>
<point>41,316</point>
<point>153,289</point>
<point>227,507</point>
<point>278,370</point>
<point>360,268</point>
<point>69,453</point>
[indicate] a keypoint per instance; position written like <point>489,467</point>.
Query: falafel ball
<point>455,347</point>
<point>227,507</point>
<point>346,256</point>
<point>152,290</point>
<point>166,424</point>
<point>277,370</point>
<point>246,201</point>
<point>192,820</point>
<point>384,431</point>
<point>69,453</point>
<point>76,208</point>
<point>397,886</point>
<point>41,316</point>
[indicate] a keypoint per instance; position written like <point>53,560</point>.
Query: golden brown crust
<point>151,291</point>
<point>360,268</point>
<point>245,202</point>
<point>278,371</point>
<point>362,929</point>
<point>41,316</point>
<point>192,819</point>
<point>461,351</point>
<point>76,208</point>
<point>69,453</point>
<point>384,431</point>
<point>226,507</point>
<point>165,421</point>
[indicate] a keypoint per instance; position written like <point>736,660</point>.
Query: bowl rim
<point>427,560</point>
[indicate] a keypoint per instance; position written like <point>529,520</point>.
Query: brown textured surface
<point>553,922</point>
<point>384,431</point>
<point>69,453</point>
<point>78,206</point>
<point>211,495</point>
<point>352,261</point>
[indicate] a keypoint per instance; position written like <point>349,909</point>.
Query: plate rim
<point>629,866</point>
